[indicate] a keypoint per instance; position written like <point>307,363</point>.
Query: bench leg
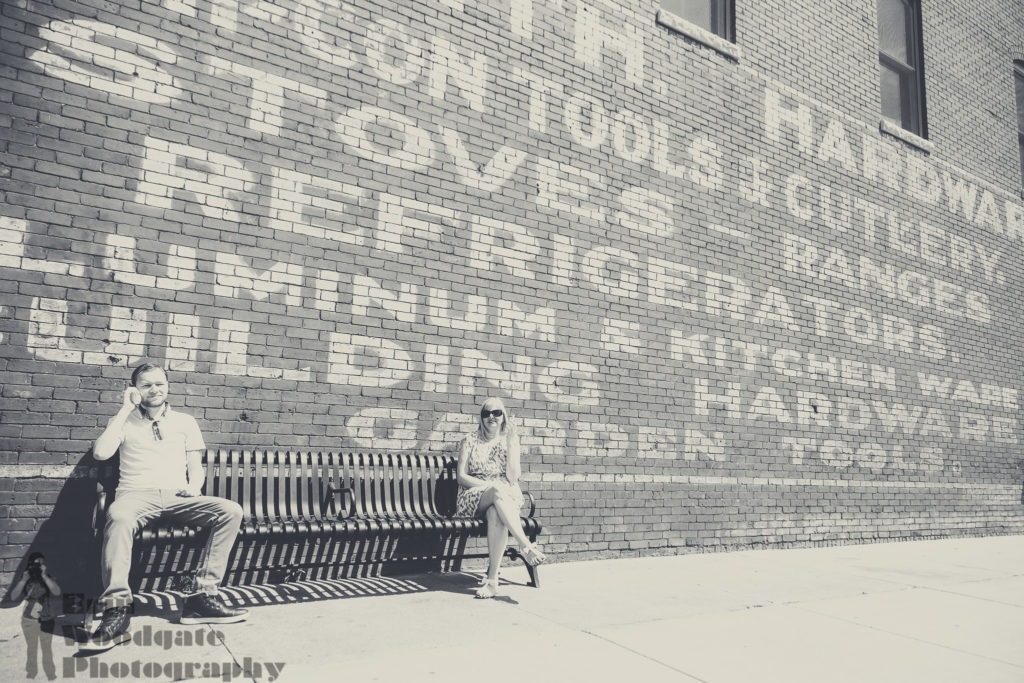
<point>534,574</point>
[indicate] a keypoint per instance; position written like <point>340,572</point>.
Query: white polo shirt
<point>151,463</point>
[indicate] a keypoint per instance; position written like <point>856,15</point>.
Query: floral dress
<point>486,461</point>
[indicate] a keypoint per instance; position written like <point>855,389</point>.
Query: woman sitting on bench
<point>488,475</point>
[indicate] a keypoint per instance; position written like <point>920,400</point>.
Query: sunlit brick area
<point>744,279</point>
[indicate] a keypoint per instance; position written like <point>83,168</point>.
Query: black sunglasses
<point>491,413</point>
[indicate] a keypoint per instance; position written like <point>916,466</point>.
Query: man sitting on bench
<point>161,475</point>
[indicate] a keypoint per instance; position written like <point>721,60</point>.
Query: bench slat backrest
<point>414,473</point>
<point>433,485</point>
<point>395,485</point>
<point>274,486</point>
<point>377,483</point>
<point>267,462</point>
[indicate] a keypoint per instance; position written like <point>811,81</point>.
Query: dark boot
<point>113,629</point>
<point>203,608</point>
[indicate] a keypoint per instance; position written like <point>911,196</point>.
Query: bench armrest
<point>533,504</point>
<point>340,501</point>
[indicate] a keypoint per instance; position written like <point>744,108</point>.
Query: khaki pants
<point>132,509</point>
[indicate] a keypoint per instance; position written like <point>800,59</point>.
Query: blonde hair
<point>513,468</point>
<point>480,430</point>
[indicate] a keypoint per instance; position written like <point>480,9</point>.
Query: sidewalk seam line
<point>224,644</point>
<point>641,654</point>
<point>973,597</point>
<point>904,635</point>
<point>607,640</point>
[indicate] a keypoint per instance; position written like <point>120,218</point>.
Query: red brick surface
<point>726,308</point>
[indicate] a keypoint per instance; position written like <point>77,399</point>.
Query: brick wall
<point>727,309</point>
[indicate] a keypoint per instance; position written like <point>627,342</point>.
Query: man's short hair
<point>145,367</point>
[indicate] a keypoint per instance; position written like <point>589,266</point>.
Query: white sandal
<point>532,554</point>
<point>488,589</point>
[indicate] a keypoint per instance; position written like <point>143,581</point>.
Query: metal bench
<point>320,510</point>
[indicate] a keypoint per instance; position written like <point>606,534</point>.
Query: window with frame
<point>900,58</point>
<point>715,16</point>
<point>1018,82</point>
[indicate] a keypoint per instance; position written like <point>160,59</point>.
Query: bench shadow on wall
<point>66,537</point>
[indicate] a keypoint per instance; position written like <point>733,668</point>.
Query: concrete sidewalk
<point>930,611</point>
